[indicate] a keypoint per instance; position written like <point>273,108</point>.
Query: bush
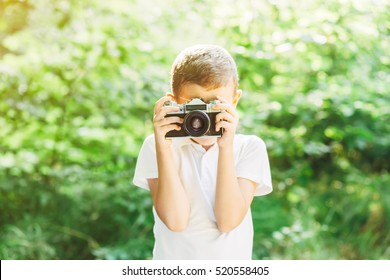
<point>78,82</point>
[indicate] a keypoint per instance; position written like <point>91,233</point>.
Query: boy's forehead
<point>190,91</point>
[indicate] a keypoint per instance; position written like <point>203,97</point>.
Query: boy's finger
<point>166,128</point>
<point>170,120</point>
<point>164,111</point>
<point>224,116</point>
<point>159,103</point>
<point>223,124</point>
<point>227,107</point>
<point>223,100</point>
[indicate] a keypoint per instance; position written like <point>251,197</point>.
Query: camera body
<point>199,119</point>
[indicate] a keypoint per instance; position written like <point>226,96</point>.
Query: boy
<point>202,188</point>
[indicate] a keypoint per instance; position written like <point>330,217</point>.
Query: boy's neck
<point>206,147</point>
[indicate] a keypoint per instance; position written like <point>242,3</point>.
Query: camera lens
<point>196,123</point>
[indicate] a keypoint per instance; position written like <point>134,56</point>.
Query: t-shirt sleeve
<point>146,167</point>
<point>253,164</point>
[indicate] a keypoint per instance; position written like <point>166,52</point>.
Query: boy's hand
<point>163,125</point>
<point>228,120</point>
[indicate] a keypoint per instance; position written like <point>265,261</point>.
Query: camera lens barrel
<point>196,123</point>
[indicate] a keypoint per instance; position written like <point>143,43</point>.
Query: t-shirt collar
<point>181,142</point>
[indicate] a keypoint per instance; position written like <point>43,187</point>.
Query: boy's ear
<point>237,97</point>
<point>171,95</point>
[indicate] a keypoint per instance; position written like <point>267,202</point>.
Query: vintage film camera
<point>199,119</point>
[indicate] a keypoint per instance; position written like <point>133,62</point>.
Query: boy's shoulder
<point>242,140</point>
<point>149,138</point>
<point>148,145</point>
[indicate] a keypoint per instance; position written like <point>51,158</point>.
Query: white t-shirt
<point>197,169</point>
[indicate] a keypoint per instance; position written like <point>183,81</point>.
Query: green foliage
<point>78,80</point>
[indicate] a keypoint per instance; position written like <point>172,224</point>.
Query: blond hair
<point>208,66</point>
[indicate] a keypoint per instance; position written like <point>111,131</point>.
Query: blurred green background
<point>78,82</point>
